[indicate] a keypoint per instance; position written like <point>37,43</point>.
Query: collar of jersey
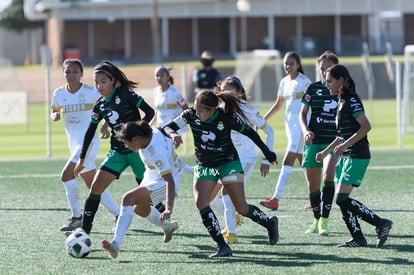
<point>110,96</point>
<point>216,112</point>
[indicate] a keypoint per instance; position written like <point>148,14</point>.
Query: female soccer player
<point>291,89</point>
<point>74,101</point>
<point>217,159</point>
<point>246,149</point>
<point>318,132</point>
<point>168,103</point>
<point>161,180</point>
<point>119,104</point>
<point>352,148</point>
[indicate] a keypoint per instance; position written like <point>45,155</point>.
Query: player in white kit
<point>168,103</point>
<point>161,181</point>
<point>74,102</point>
<point>291,90</point>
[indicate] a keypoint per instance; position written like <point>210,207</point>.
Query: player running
<point>217,159</point>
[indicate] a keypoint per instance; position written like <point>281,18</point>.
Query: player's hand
<point>165,215</point>
<point>78,167</point>
<point>177,140</point>
<point>308,137</point>
<point>105,132</point>
<point>319,157</point>
<point>264,169</point>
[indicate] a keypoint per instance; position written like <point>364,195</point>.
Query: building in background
<point>146,30</point>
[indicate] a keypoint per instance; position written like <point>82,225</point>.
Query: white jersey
<point>160,158</point>
<point>168,104</point>
<point>76,110</point>
<point>245,147</point>
<point>292,90</point>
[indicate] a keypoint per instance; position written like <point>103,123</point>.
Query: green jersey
<point>323,108</point>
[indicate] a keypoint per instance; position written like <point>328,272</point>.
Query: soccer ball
<point>78,244</point>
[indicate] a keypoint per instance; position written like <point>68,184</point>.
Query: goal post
<point>249,68</point>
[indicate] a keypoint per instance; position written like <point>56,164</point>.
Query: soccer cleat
<point>383,232</point>
<point>313,228</point>
<point>239,219</point>
<point>72,225</point>
<point>223,251</point>
<point>273,231</point>
<point>354,243</point>
<point>230,238</point>
<point>323,227</point>
<point>169,232</point>
<point>308,206</point>
<point>111,248</point>
<point>272,204</point>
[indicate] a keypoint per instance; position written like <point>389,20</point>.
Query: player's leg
<point>88,174</point>
<point>328,192</point>
<point>284,176</point>
<point>313,178</point>
<point>235,189</point>
<point>154,193</point>
<point>205,180</point>
<point>72,195</point>
<point>110,169</point>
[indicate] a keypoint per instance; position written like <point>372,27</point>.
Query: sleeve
<point>356,106</point>
<point>307,98</point>
<point>90,133</point>
<point>177,123</point>
<point>55,102</point>
<point>148,111</point>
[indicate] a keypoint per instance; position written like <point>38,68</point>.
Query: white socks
<point>109,203</point>
<point>229,214</point>
<point>122,224</point>
<point>217,205</point>
<point>284,176</point>
<point>154,218</point>
<point>72,195</point>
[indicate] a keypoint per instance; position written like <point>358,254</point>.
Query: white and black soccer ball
<point>78,244</point>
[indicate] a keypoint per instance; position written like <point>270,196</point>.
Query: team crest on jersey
<point>220,126</point>
<point>159,164</point>
<point>117,100</point>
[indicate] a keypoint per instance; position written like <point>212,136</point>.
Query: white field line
<point>54,175</point>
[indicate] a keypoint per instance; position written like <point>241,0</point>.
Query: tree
<point>13,18</point>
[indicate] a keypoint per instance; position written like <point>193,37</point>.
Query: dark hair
<point>235,83</point>
<point>73,61</point>
<point>167,70</point>
<point>132,129</point>
<point>114,73</point>
<point>337,71</point>
<point>328,55</point>
<point>231,102</point>
<point>297,58</point>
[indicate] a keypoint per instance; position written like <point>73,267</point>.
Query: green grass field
<point>33,207</point>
